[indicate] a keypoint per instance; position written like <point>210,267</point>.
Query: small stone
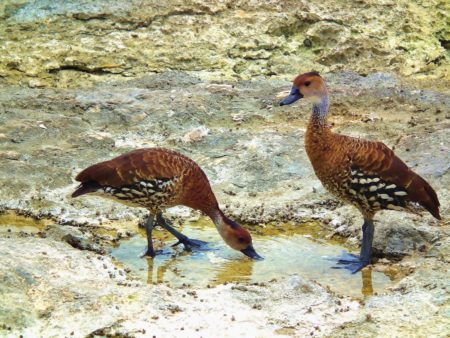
<point>9,155</point>
<point>307,43</point>
<point>34,83</point>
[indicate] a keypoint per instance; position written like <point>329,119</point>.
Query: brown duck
<point>156,179</point>
<point>365,174</point>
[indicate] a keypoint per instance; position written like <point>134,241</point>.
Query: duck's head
<point>308,85</point>
<point>237,237</point>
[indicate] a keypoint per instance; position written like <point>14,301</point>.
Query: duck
<point>366,174</point>
<point>157,179</point>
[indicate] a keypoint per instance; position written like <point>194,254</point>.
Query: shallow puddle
<point>287,251</point>
<point>11,222</point>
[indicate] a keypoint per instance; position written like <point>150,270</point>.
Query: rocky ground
<point>252,151</point>
<point>77,42</point>
<point>78,87</point>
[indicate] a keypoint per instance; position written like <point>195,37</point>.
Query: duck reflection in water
<point>234,271</point>
<point>221,272</point>
<point>156,277</point>
<point>367,287</point>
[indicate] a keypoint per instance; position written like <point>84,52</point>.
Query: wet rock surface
<point>60,281</point>
<point>85,81</point>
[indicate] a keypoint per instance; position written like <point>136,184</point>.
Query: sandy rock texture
<point>83,81</point>
<point>73,43</point>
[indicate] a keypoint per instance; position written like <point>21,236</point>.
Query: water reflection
<point>155,277</point>
<point>238,271</point>
<point>367,285</point>
<point>233,270</point>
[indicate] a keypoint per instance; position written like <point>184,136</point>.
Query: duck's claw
<point>190,244</point>
<point>151,253</point>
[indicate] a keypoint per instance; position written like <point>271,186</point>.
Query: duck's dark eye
<point>307,83</point>
<point>241,239</point>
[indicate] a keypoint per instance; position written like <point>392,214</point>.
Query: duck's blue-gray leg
<point>367,240</point>
<point>356,263</point>
<point>149,225</point>
<point>182,239</point>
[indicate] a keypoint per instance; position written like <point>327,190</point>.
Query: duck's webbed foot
<point>351,262</point>
<point>189,244</point>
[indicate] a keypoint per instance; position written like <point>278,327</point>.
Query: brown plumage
<point>366,174</point>
<point>156,179</point>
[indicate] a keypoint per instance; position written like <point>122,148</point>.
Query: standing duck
<point>365,174</point>
<point>156,179</point>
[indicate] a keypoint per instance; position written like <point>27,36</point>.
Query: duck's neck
<point>223,224</point>
<point>320,112</point>
<point>218,218</point>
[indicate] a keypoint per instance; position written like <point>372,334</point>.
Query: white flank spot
<point>363,181</point>
<point>384,196</point>
<point>392,186</point>
<point>125,189</point>
<point>136,192</point>
<point>121,195</point>
<point>400,193</point>
<point>381,185</point>
<point>394,207</point>
<point>353,192</point>
<point>376,204</point>
<point>373,198</point>
<point>375,180</point>
<point>373,188</point>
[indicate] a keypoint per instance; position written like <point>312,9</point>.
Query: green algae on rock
<point>73,43</point>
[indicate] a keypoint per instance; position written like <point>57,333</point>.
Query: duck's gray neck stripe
<point>320,109</point>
